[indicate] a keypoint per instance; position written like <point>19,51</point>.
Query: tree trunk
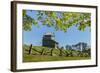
<point>30,49</point>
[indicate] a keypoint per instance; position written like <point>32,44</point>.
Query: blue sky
<point>72,36</point>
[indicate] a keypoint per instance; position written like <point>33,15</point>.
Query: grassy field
<point>36,57</point>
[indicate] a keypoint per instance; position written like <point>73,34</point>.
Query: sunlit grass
<point>37,57</point>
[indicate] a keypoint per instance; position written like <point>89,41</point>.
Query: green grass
<point>40,58</point>
<point>36,57</point>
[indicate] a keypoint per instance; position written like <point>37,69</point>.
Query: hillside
<point>39,53</point>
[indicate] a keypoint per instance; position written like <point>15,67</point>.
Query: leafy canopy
<point>59,20</point>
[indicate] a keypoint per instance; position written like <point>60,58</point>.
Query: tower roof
<point>49,33</point>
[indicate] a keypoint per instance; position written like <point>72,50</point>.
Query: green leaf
<point>57,20</point>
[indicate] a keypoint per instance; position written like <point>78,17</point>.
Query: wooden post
<point>42,51</point>
<point>61,51</point>
<point>52,52</point>
<point>30,49</point>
